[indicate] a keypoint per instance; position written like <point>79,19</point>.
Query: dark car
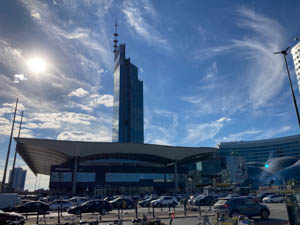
<point>11,218</point>
<point>241,206</point>
<point>146,202</point>
<point>91,206</point>
<point>122,203</point>
<point>205,200</point>
<point>34,206</point>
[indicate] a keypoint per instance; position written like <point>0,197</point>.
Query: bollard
<point>153,211</point>
<point>80,215</point>
<point>58,216</point>
<point>199,210</point>
<point>161,209</point>
<point>118,213</point>
<point>37,217</point>
<point>184,208</point>
<point>169,208</point>
<point>136,210</point>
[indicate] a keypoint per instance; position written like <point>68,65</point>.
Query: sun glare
<point>36,65</point>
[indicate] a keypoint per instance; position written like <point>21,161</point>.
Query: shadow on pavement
<point>271,222</point>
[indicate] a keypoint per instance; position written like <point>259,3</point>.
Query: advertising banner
<point>236,165</point>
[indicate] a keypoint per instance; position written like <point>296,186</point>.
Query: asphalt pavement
<point>278,216</point>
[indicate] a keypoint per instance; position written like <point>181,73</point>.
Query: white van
<point>8,201</point>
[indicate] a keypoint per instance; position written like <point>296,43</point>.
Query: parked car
<point>146,202</point>
<point>34,206</point>
<point>261,196</point>
<point>60,204</point>
<point>241,205</point>
<point>274,198</point>
<point>191,199</point>
<point>122,203</point>
<point>100,206</point>
<point>205,200</point>
<point>109,198</point>
<point>78,200</point>
<point>164,201</point>
<point>233,195</point>
<point>11,218</point>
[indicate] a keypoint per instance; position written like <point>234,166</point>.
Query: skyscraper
<point>18,181</point>
<point>128,109</point>
<point>296,57</point>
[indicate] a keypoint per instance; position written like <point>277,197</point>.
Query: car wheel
<point>158,205</point>
<point>264,214</point>
<point>234,213</point>
<point>103,211</point>
<point>174,205</point>
<point>77,212</point>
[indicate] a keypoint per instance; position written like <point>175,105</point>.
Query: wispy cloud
<point>270,133</point>
<point>158,132</point>
<point>243,135</point>
<point>260,78</point>
<point>137,20</point>
<point>196,133</point>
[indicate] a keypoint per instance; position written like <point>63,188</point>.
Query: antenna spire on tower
<point>116,36</point>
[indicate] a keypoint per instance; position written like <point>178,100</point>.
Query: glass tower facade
<point>128,109</point>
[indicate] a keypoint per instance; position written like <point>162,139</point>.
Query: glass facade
<point>128,109</point>
<point>261,151</point>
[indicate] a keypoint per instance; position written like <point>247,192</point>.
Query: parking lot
<point>278,216</point>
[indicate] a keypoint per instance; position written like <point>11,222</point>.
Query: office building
<point>262,150</point>
<point>128,111</point>
<point>17,179</point>
<point>296,58</point>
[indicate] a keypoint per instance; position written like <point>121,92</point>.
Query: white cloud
<point>260,78</point>
<point>160,126</point>
<point>223,119</point>
<point>271,133</point>
<point>197,133</point>
<point>79,92</point>
<point>106,100</point>
<point>102,136</point>
<point>244,135</point>
<point>136,18</point>
<point>78,33</point>
<point>36,15</point>
<point>19,77</point>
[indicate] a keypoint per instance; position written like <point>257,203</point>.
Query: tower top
<point>116,36</point>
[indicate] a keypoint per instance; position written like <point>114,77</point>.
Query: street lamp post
<point>8,151</point>
<point>284,53</point>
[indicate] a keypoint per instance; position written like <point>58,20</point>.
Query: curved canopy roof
<point>40,154</point>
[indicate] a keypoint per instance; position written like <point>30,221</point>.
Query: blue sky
<point>208,69</point>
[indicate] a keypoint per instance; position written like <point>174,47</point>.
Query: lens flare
<point>36,65</point>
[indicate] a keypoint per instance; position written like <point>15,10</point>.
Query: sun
<point>36,65</point>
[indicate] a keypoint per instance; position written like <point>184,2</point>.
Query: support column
<point>176,177</point>
<point>75,168</point>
